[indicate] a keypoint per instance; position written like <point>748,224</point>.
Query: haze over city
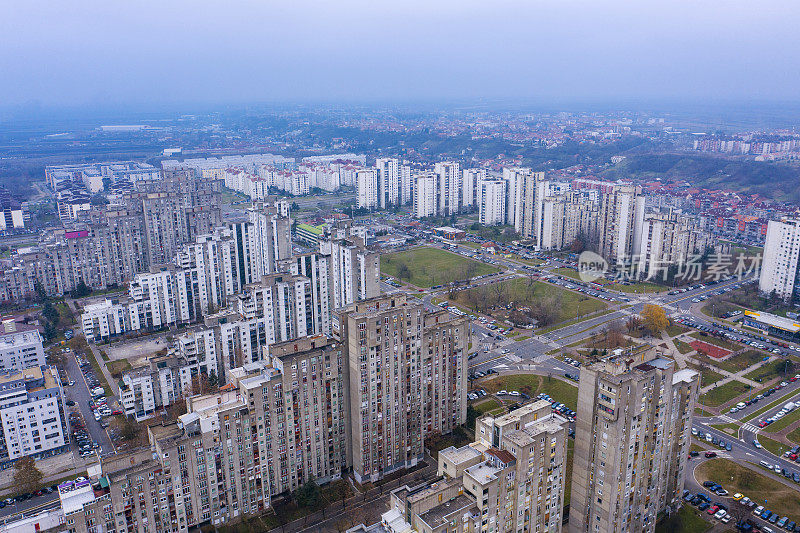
<point>92,52</point>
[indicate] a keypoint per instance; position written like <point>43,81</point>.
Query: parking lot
<point>89,434</point>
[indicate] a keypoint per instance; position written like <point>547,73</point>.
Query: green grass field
<point>737,363</point>
<point>432,266</point>
<point>640,287</point>
<point>532,385</point>
<point>687,520</point>
<point>486,405</point>
<point>723,394</point>
<point>737,478</point>
<point>779,368</point>
<point>707,376</point>
<point>771,445</point>
<point>682,346</point>
<point>794,435</point>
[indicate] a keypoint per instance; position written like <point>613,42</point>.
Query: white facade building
<point>470,182</point>
<point>425,204</point>
<point>492,209</point>
<point>448,187</point>
<point>367,188</point>
<point>31,414</point>
<point>20,347</point>
<point>388,182</point>
<point>781,253</point>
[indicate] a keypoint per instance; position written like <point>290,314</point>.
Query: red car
<point>710,455</point>
<point>713,509</point>
<point>116,412</point>
<point>762,424</point>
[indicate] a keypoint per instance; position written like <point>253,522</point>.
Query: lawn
<point>698,411</point>
<point>431,266</point>
<point>723,394</point>
<point>780,498</point>
<point>771,445</point>
<point>571,304</point>
<point>707,376</point>
<point>673,330</point>
<point>778,368</point>
<point>568,471</point>
<point>640,287</point>
<point>687,520</point>
<point>560,325</point>
<point>737,363</point>
<point>730,429</point>
<point>567,273</point>
<point>683,347</point>
<point>116,368</point>
<point>531,384</point>
<point>794,435</point>
<point>485,406</point>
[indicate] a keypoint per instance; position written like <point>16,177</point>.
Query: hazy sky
<point>140,51</point>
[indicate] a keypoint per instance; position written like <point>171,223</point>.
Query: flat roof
<point>780,322</point>
<point>439,515</point>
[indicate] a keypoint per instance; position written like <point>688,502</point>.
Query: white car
<point>719,514</point>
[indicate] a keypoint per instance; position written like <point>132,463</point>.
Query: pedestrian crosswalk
<point>727,419</point>
<point>751,428</point>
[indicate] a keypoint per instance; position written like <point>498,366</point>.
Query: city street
<point>79,393</point>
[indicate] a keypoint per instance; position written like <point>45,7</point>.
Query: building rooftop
<point>443,513</point>
<point>779,322</point>
<point>459,455</point>
<point>686,375</point>
<point>483,473</point>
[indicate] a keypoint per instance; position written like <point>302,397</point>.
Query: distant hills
<point>779,181</point>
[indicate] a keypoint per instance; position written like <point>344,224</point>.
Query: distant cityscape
<point>451,322</point>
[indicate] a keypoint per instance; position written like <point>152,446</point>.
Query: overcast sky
<point>138,51</point>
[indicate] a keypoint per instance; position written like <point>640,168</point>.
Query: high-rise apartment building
<point>20,346</point>
<point>448,188</point>
<point>780,262</point>
<point>537,440</point>
<point>492,205</point>
<point>406,185</point>
<point>470,182</point>
<point>407,375</point>
<point>355,270</point>
<point>667,239</point>
<point>621,222</point>
<point>425,198</point>
<point>367,188</point>
<point>631,440</point>
<point>388,182</point>
<point>31,414</point>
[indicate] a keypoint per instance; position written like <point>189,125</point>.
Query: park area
<point>724,393</point>
<point>427,267</point>
<point>523,300</point>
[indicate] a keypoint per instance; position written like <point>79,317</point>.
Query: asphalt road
<point>79,393</point>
